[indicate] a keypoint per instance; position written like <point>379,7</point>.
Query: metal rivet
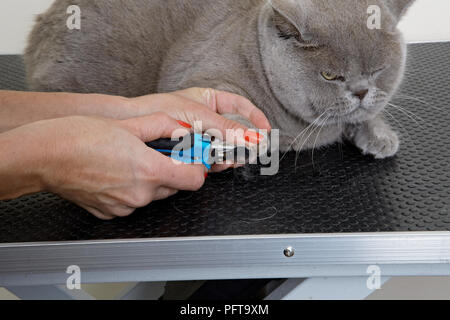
<point>289,252</point>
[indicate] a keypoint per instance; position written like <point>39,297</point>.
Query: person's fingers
<point>225,103</point>
<point>193,112</point>
<point>164,193</point>
<point>173,174</point>
<point>154,126</point>
<point>97,213</point>
<point>223,167</point>
<point>120,210</point>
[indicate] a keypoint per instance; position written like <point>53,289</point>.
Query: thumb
<point>154,126</point>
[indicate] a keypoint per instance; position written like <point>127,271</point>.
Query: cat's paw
<point>380,141</point>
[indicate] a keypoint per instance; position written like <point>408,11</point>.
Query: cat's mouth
<point>345,113</point>
<point>358,112</point>
<point>350,114</point>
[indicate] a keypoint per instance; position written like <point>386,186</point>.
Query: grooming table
<point>342,214</point>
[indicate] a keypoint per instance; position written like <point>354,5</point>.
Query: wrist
<point>125,108</point>
<point>145,105</point>
<point>131,107</point>
<point>105,106</point>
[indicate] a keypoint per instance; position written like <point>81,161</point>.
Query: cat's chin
<point>361,118</point>
<point>347,115</point>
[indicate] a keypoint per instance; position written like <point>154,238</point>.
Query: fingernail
<point>253,137</point>
<point>185,124</point>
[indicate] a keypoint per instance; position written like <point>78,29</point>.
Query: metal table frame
<point>332,262</point>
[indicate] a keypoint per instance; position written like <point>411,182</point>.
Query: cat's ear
<point>287,24</point>
<point>399,7</point>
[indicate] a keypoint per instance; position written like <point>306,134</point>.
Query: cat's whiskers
<point>318,126</point>
<point>397,121</point>
<point>302,133</point>
<point>417,99</point>
<point>408,113</point>
<point>310,129</point>
<point>341,129</point>
<point>317,136</point>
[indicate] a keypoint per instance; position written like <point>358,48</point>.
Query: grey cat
<point>313,66</point>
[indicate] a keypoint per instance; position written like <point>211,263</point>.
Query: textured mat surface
<point>342,191</point>
<point>12,73</point>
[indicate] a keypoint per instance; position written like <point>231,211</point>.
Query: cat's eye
<point>330,77</point>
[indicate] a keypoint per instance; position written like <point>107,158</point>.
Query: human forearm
<point>20,108</point>
<point>103,165</point>
<point>20,162</point>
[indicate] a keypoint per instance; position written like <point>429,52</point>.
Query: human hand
<point>207,106</point>
<point>200,104</point>
<point>105,167</point>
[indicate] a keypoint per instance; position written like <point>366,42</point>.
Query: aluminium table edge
<point>235,257</point>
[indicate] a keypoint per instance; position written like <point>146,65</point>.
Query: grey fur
<point>271,52</point>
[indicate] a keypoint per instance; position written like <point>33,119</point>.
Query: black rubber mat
<point>12,73</point>
<point>342,191</point>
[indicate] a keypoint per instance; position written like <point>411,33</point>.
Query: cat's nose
<point>361,94</point>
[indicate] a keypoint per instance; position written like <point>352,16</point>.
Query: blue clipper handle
<point>191,149</point>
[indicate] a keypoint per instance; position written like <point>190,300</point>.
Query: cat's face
<point>327,65</point>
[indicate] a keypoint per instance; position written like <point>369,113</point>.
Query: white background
<point>428,20</point>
